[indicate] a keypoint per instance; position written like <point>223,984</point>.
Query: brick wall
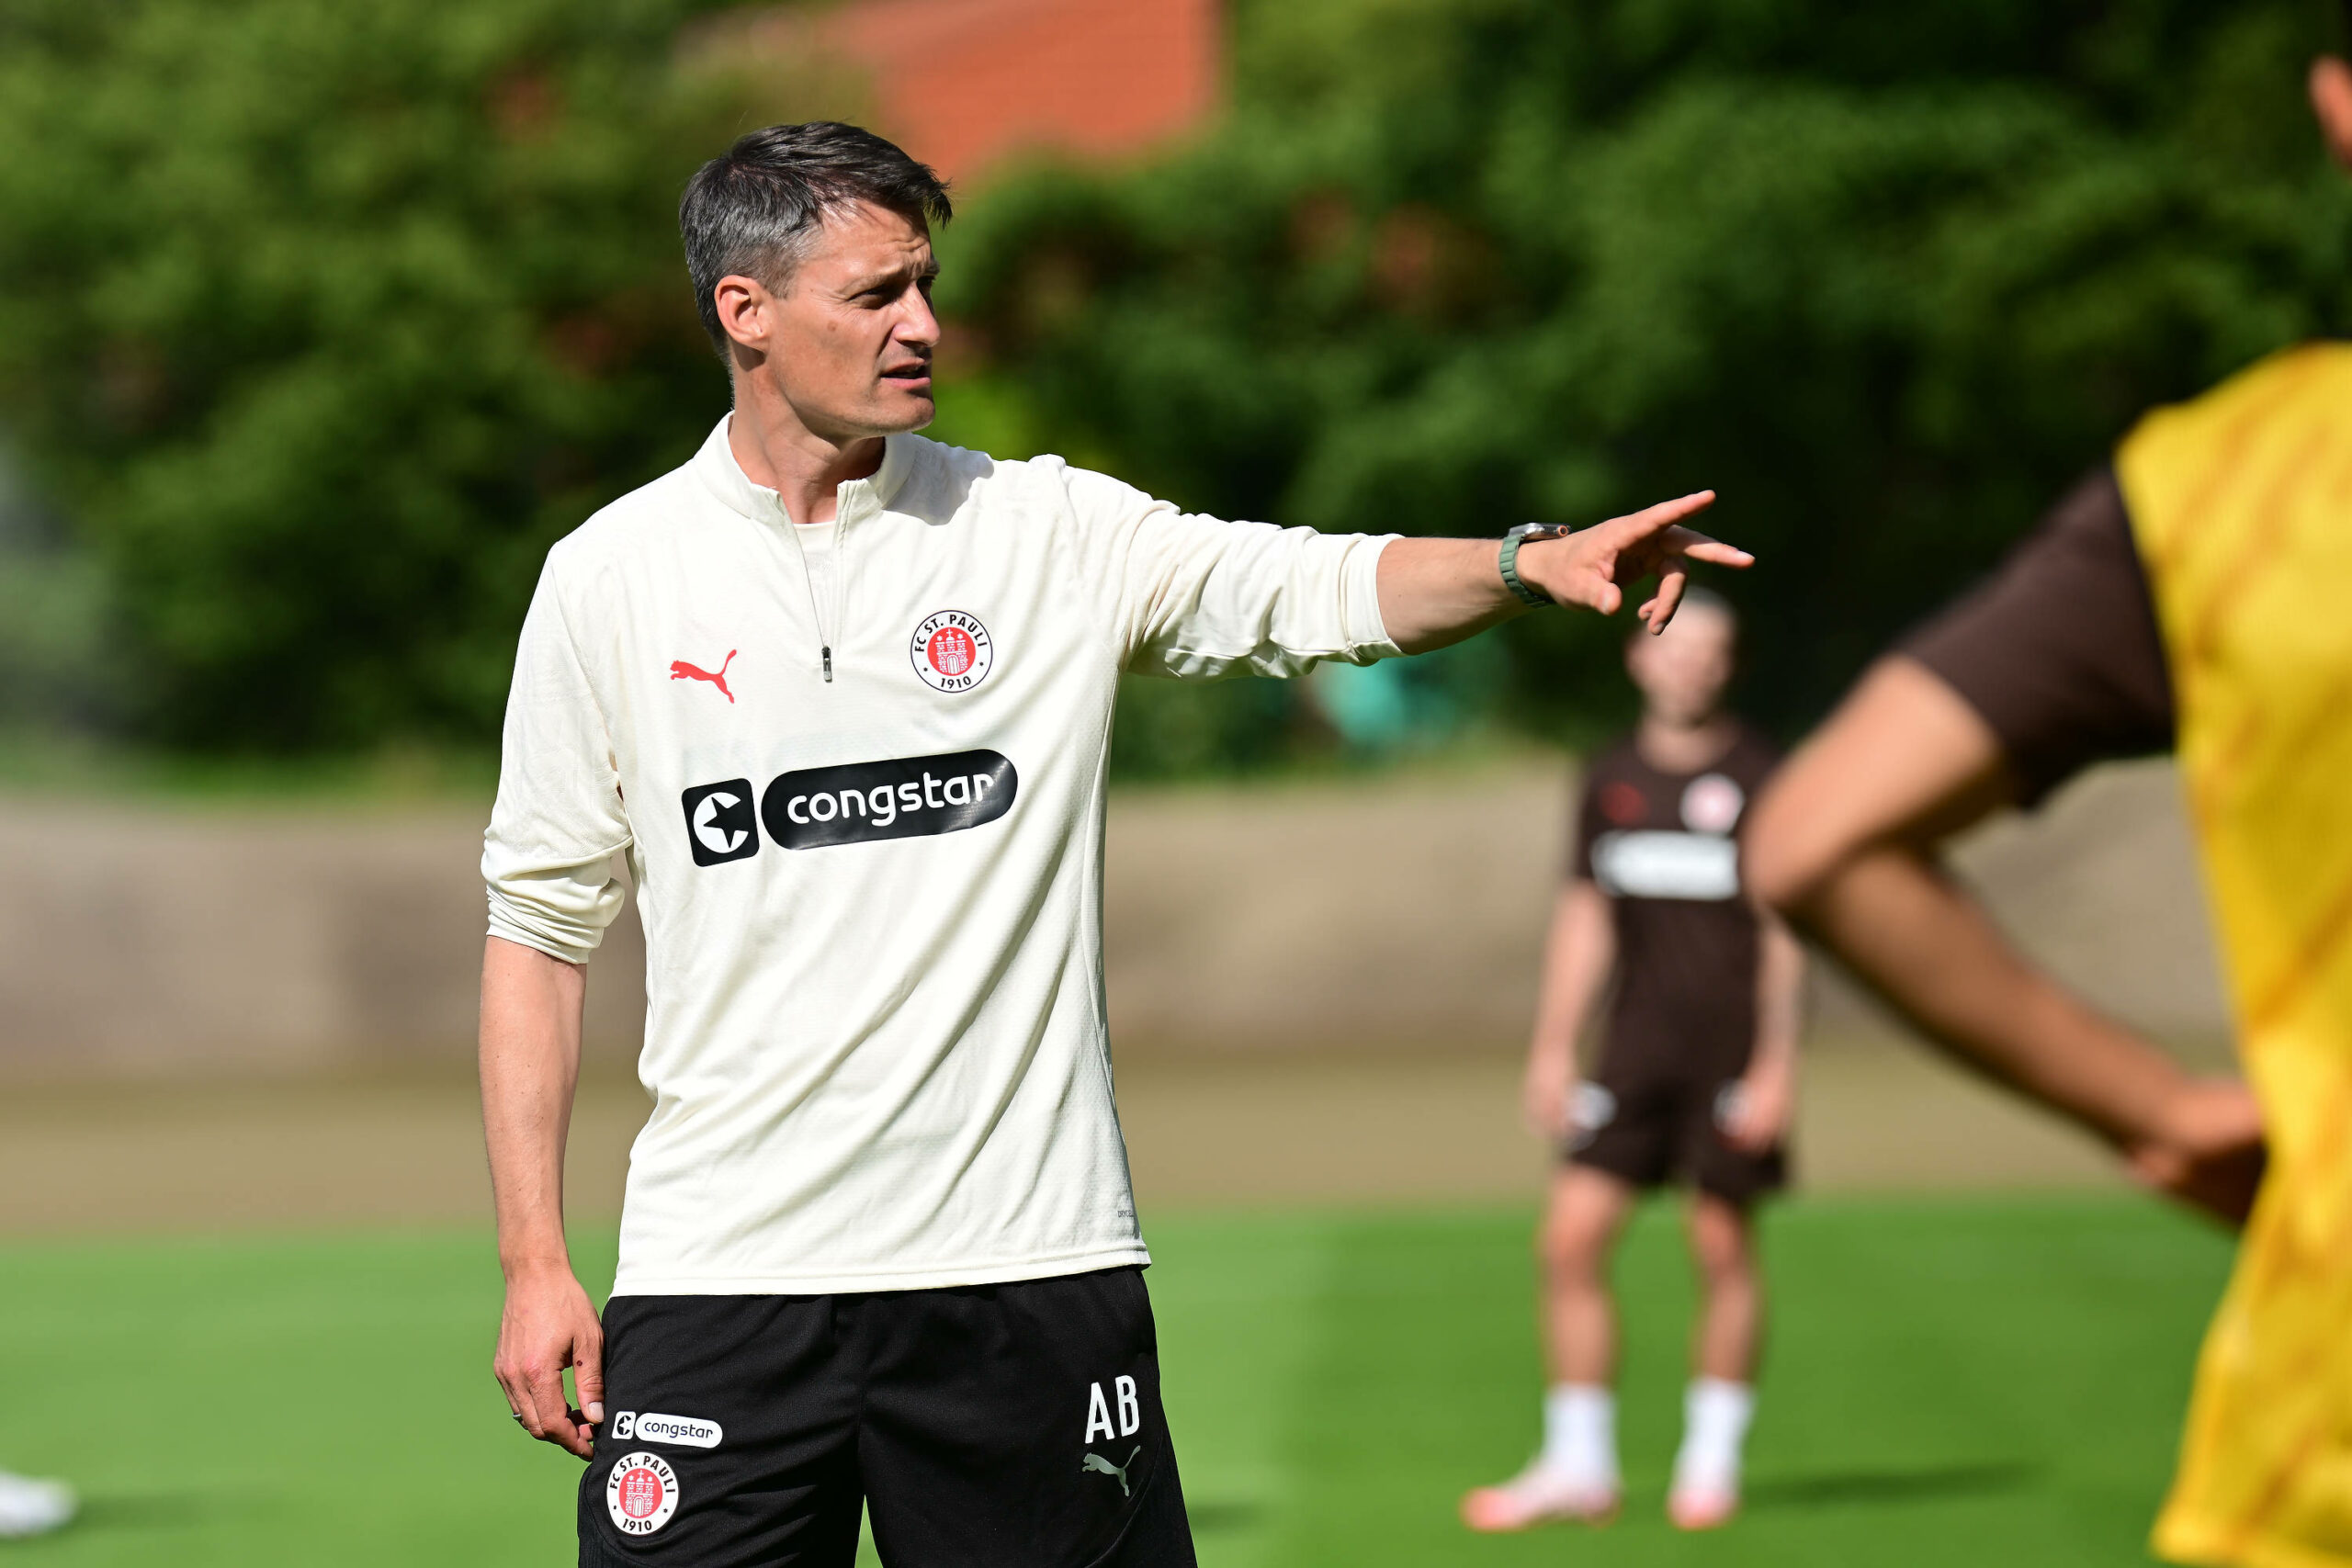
<point>966,85</point>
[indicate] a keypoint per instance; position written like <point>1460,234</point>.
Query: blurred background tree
<point>319,321</point>
<point>1886,277</point>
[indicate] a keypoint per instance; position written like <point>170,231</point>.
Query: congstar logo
<point>854,803</point>
<point>718,822</point>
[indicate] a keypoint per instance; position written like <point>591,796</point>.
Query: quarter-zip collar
<point>858,499</point>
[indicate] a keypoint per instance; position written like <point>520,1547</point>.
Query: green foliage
<point>1886,277</point>
<point>319,321</point>
<point>322,321</point>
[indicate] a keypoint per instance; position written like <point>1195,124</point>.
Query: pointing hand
<point>1591,566</point>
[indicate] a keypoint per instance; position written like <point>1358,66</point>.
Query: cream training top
<point>875,1031</point>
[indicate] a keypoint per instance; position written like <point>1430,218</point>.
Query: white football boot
<point>1541,1494</point>
<point>32,1507</point>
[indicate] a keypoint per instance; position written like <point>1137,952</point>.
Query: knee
<point>1721,1248</point>
<point>1572,1255</point>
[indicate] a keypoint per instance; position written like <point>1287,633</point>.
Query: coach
<point>844,697</point>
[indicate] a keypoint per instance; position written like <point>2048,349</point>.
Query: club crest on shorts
<point>952,651</point>
<point>641,1494</point>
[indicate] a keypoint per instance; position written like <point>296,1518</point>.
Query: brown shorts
<point>1651,1132</point>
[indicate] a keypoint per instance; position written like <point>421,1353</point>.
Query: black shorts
<point>1654,1129</point>
<point>1015,1424</point>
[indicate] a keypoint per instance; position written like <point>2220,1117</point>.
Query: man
<point>844,697</point>
<point>1695,1080</point>
<point>2190,595</point>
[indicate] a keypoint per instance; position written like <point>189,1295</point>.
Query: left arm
<point>1437,591</point>
<point>1768,1088</point>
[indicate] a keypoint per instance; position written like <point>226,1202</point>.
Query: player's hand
<point>1544,1098</point>
<point>2207,1150</point>
<point>549,1326</point>
<point>1756,1117</point>
<point>1592,566</point>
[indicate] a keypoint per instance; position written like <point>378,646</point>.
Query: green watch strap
<point>1509,562</point>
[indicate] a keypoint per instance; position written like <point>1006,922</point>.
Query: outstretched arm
<point>1843,843</point>
<point>1436,591</point>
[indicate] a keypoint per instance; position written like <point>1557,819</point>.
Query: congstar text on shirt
<point>857,768</point>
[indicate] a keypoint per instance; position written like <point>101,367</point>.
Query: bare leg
<point>1575,1476</point>
<point>1731,1317</point>
<point>1723,1355</point>
<point>1587,1209</point>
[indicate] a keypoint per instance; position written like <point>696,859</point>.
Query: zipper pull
<point>828,663</point>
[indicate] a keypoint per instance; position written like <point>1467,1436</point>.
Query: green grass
<point>1949,1382</point>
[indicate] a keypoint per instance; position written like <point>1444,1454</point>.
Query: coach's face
<point>847,343</point>
<point>1682,670</point>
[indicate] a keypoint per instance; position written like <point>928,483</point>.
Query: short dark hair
<point>753,209</point>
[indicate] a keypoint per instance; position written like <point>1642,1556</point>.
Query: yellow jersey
<point>2241,508</point>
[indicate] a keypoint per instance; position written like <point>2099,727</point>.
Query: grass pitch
<point>1951,1382</point>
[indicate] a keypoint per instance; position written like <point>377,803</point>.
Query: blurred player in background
<point>2190,595</point>
<point>1695,1080</point>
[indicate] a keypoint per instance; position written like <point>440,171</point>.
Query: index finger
<point>1635,526</point>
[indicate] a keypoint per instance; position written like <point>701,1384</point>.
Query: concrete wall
<point>1402,913</point>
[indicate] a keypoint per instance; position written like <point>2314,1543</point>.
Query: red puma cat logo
<point>682,671</point>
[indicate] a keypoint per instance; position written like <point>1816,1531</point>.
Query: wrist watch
<point>1509,562</point>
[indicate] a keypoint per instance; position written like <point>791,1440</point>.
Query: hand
<point>1544,1098</point>
<point>1754,1116</point>
<point>1590,566</point>
<point>548,1326</point>
<point>2207,1150</point>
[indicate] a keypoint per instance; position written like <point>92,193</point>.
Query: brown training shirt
<point>2058,650</point>
<point>1663,847</point>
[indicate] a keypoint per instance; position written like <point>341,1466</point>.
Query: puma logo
<point>682,671</point>
<point>1095,1464</point>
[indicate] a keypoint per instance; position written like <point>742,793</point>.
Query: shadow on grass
<point>1834,1489</point>
<point>1224,1515</point>
<point>109,1512</point>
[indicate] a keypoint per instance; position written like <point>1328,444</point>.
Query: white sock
<point>1581,1434</point>
<point>1716,1414</point>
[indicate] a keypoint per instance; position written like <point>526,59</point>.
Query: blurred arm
<point>531,1007</point>
<point>1438,592</point>
<point>1767,1103</point>
<point>1842,842</point>
<point>1578,954</point>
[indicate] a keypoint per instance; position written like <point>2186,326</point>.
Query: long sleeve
<point>1197,598</point>
<point>546,859</point>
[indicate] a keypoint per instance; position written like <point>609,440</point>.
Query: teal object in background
<point>1407,704</point>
